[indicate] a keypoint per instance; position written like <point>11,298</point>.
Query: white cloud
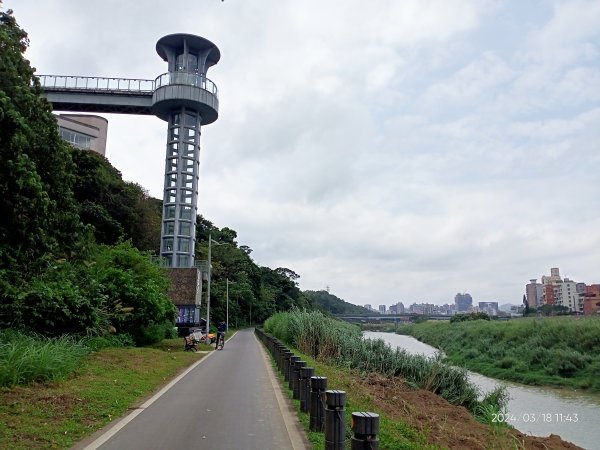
<point>393,151</point>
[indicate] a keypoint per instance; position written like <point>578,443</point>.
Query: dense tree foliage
<point>54,278</point>
<point>39,219</point>
<point>468,317</point>
<point>327,302</point>
<point>116,209</point>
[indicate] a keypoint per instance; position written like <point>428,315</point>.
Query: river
<point>539,411</point>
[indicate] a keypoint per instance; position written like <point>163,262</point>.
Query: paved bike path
<point>230,400</point>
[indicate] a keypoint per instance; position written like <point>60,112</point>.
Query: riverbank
<point>432,400</point>
<point>418,419</point>
<point>550,351</point>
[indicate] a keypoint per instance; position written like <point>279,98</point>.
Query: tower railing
<point>187,79</point>
<point>126,85</point>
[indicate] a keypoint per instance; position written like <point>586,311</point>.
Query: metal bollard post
<point>293,360</point>
<point>296,379</point>
<point>318,385</point>
<point>335,425</point>
<point>286,364</point>
<point>279,356</point>
<point>282,360</point>
<point>305,374</point>
<point>365,426</point>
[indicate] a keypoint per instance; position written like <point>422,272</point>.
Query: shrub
<point>109,341</point>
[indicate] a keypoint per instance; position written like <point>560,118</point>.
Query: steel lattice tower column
<point>186,99</point>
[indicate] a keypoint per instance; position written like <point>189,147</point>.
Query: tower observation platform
<point>184,98</point>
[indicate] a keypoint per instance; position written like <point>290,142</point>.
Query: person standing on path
<point>221,330</point>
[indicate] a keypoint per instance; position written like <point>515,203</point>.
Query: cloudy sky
<point>393,150</point>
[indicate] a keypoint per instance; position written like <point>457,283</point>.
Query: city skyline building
<point>559,292</point>
<point>534,293</point>
<point>463,302</point>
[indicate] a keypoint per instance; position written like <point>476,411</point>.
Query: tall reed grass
<point>562,351</point>
<point>26,358</point>
<point>341,343</point>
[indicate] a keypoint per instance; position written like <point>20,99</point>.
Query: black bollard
<point>335,425</point>
<point>305,374</point>
<point>279,356</point>
<point>318,385</point>
<point>293,360</point>
<point>296,379</point>
<point>286,365</point>
<point>365,426</point>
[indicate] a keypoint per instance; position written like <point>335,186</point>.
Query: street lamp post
<point>210,242</point>
<point>208,289</point>
<point>227,314</point>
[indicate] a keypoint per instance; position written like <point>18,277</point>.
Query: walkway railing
<point>97,84</point>
<point>125,85</point>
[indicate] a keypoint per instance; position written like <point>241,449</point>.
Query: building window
<point>191,120</point>
<point>186,197</point>
<point>184,245</point>
<point>168,244</point>
<point>171,196</point>
<point>172,165</point>
<point>190,134</point>
<point>184,260</point>
<point>189,150</point>
<point>188,165</point>
<point>169,228</point>
<point>169,212</point>
<point>185,213</point>
<point>77,139</point>
<point>185,228</point>
<point>173,149</point>
<point>188,181</point>
<point>172,181</point>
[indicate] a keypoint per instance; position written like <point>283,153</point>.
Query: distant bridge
<point>378,318</point>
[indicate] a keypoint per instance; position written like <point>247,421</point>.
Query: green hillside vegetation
<point>560,351</point>
<point>326,302</point>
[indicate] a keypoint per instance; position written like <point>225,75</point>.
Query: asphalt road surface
<point>230,400</point>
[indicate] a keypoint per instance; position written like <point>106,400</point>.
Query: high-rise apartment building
<point>464,302</point>
<point>535,293</point>
<point>382,309</point>
<point>556,291</point>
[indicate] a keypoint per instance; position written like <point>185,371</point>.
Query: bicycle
<point>220,341</point>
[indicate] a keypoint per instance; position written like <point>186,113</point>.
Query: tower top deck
<point>181,42</point>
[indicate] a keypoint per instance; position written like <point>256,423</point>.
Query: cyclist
<point>221,329</point>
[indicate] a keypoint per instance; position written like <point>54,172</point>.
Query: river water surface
<point>573,415</point>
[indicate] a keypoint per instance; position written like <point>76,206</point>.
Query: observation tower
<point>184,98</point>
